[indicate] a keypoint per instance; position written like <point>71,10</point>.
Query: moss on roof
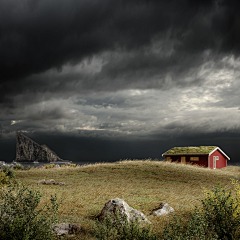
<point>190,150</point>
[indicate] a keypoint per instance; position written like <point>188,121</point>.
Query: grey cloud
<point>56,113</point>
<point>37,36</point>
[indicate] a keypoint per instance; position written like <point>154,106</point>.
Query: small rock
<point>60,183</point>
<point>5,215</point>
<point>42,181</point>
<point>2,163</point>
<point>66,228</point>
<point>56,166</point>
<point>117,204</point>
<point>75,227</point>
<point>163,208</point>
<point>8,165</point>
<point>51,181</point>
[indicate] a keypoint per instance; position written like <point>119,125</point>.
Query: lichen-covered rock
<point>61,229</point>
<point>117,204</point>
<point>163,209</point>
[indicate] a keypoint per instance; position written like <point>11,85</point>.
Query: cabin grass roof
<point>190,150</point>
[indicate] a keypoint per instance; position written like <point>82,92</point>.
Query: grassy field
<point>143,184</point>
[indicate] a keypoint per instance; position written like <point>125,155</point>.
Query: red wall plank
<point>203,159</point>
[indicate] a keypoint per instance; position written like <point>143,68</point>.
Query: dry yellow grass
<point>143,184</point>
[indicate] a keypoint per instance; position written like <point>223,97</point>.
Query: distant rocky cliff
<point>29,151</point>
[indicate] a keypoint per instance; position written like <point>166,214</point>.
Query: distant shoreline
<point>66,161</point>
<point>34,165</point>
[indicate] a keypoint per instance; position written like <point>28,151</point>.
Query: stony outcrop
<point>163,209</point>
<point>62,229</point>
<point>118,205</point>
<point>29,151</point>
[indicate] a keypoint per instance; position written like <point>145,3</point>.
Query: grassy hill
<point>143,184</point>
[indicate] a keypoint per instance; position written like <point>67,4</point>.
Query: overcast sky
<point>102,80</point>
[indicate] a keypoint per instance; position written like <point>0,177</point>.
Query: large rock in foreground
<point>112,206</point>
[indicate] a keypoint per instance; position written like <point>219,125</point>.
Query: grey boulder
<point>120,206</point>
<point>51,181</point>
<point>2,163</point>
<point>60,183</point>
<point>163,209</point>
<point>42,181</point>
<point>61,229</point>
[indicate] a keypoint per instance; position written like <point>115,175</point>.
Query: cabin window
<point>194,158</point>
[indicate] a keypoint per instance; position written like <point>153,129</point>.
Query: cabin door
<point>168,159</point>
<point>183,160</point>
<point>215,158</point>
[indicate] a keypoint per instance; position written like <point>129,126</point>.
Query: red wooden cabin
<point>207,156</point>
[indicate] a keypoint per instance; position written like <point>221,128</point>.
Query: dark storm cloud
<point>36,37</point>
<point>39,35</point>
<point>134,76</point>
